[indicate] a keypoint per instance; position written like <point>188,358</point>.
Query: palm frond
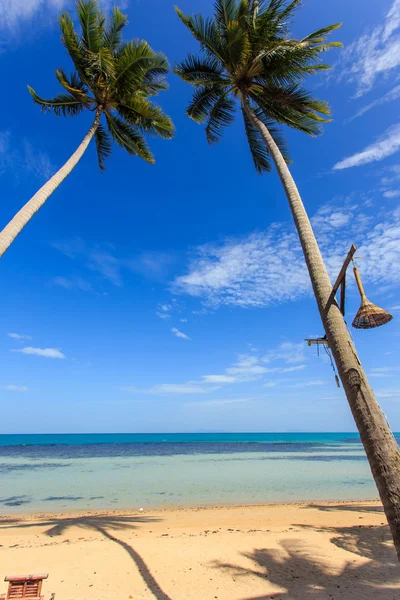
<point>92,24</point>
<point>257,146</point>
<point>318,37</point>
<point>101,67</point>
<point>206,32</point>
<point>200,70</point>
<point>202,102</point>
<point>225,11</point>
<point>62,104</point>
<point>148,117</point>
<point>73,46</point>
<point>221,115</point>
<point>238,44</point>
<point>128,138</point>
<point>103,145</point>
<point>137,64</point>
<point>112,34</point>
<point>73,85</point>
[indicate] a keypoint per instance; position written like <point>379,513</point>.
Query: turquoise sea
<point>97,471</point>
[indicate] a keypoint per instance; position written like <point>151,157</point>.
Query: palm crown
<point>247,55</point>
<point>113,78</point>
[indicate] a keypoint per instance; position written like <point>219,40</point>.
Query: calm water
<point>58,472</point>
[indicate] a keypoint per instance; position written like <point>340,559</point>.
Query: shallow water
<point>53,473</point>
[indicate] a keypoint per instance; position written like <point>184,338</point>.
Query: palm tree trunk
<point>380,446</point>
<point>23,216</point>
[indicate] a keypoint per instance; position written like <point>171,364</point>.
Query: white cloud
<point>391,193</point>
<point>164,310</point>
<point>208,403</point>
<point>394,94</point>
<point>383,371</point>
<point>285,369</point>
<point>180,334</point>
<point>190,387</point>
<point>72,283</point>
<point>13,13</point>
<point>385,146</point>
<point>221,272</point>
<point>268,267</point>
<point>219,379</point>
<point>19,336</point>
<point>388,393</point>
<point>15,388</point>
<point>152,265</point>
<point>374,54</point>
<point>107,265</point>
<point>289,352</point>
<point>246,368</point>
<point>37,162</point>
<point>46,352</point>
<point>21,157</point>
<point>311,383</point>
<point>102,259</point>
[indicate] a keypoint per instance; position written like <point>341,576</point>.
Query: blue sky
<point>173,297</point>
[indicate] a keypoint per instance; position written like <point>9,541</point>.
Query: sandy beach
<point>282,552</point>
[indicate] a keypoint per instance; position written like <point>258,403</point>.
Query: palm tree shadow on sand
<point>306,575</point>
<point>100,523</point>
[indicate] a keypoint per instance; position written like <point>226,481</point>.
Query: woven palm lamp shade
<point>369,315</point>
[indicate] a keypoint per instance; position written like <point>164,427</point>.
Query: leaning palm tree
<point>112,79</point>
<point>248,61</point>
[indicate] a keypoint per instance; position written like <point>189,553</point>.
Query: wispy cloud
<point>180,334</point>
<point>383,371</point>
<point>309,383</point>
<point>38,163</point>
<point>285,369</point>
<point>46,352</point>
<point>268,267</point>
<point>19,336</point>
<point>223,402</point>
<point>385,146</point>
<point>391,193</point>
<point>15,388</point>
<point>189,387</point>
<point>290,352</point>
<point>155,266</point>
<point>375,54</point>
<point>246,368</point>
<point>14,14</point>
<point>104,262</point>
<point>390,96</point>
<point>164,311</point>
<point>72,283</point>
<point>22,157</point>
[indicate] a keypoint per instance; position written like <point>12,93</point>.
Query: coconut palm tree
<point>112,79</point>
<point>249,62</point>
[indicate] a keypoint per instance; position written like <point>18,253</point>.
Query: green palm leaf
<point>103,145</point>
<point>92,24</point>
<point>62,104</point>
<point>221,115</point>
<point>200,70</point>
<point>128,138</point>
<point>247,56</point>
<point>111,78</point>
<point>147,116</point>
<point>113,33</point>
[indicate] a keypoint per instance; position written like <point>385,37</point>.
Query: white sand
<point>287,552</point>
